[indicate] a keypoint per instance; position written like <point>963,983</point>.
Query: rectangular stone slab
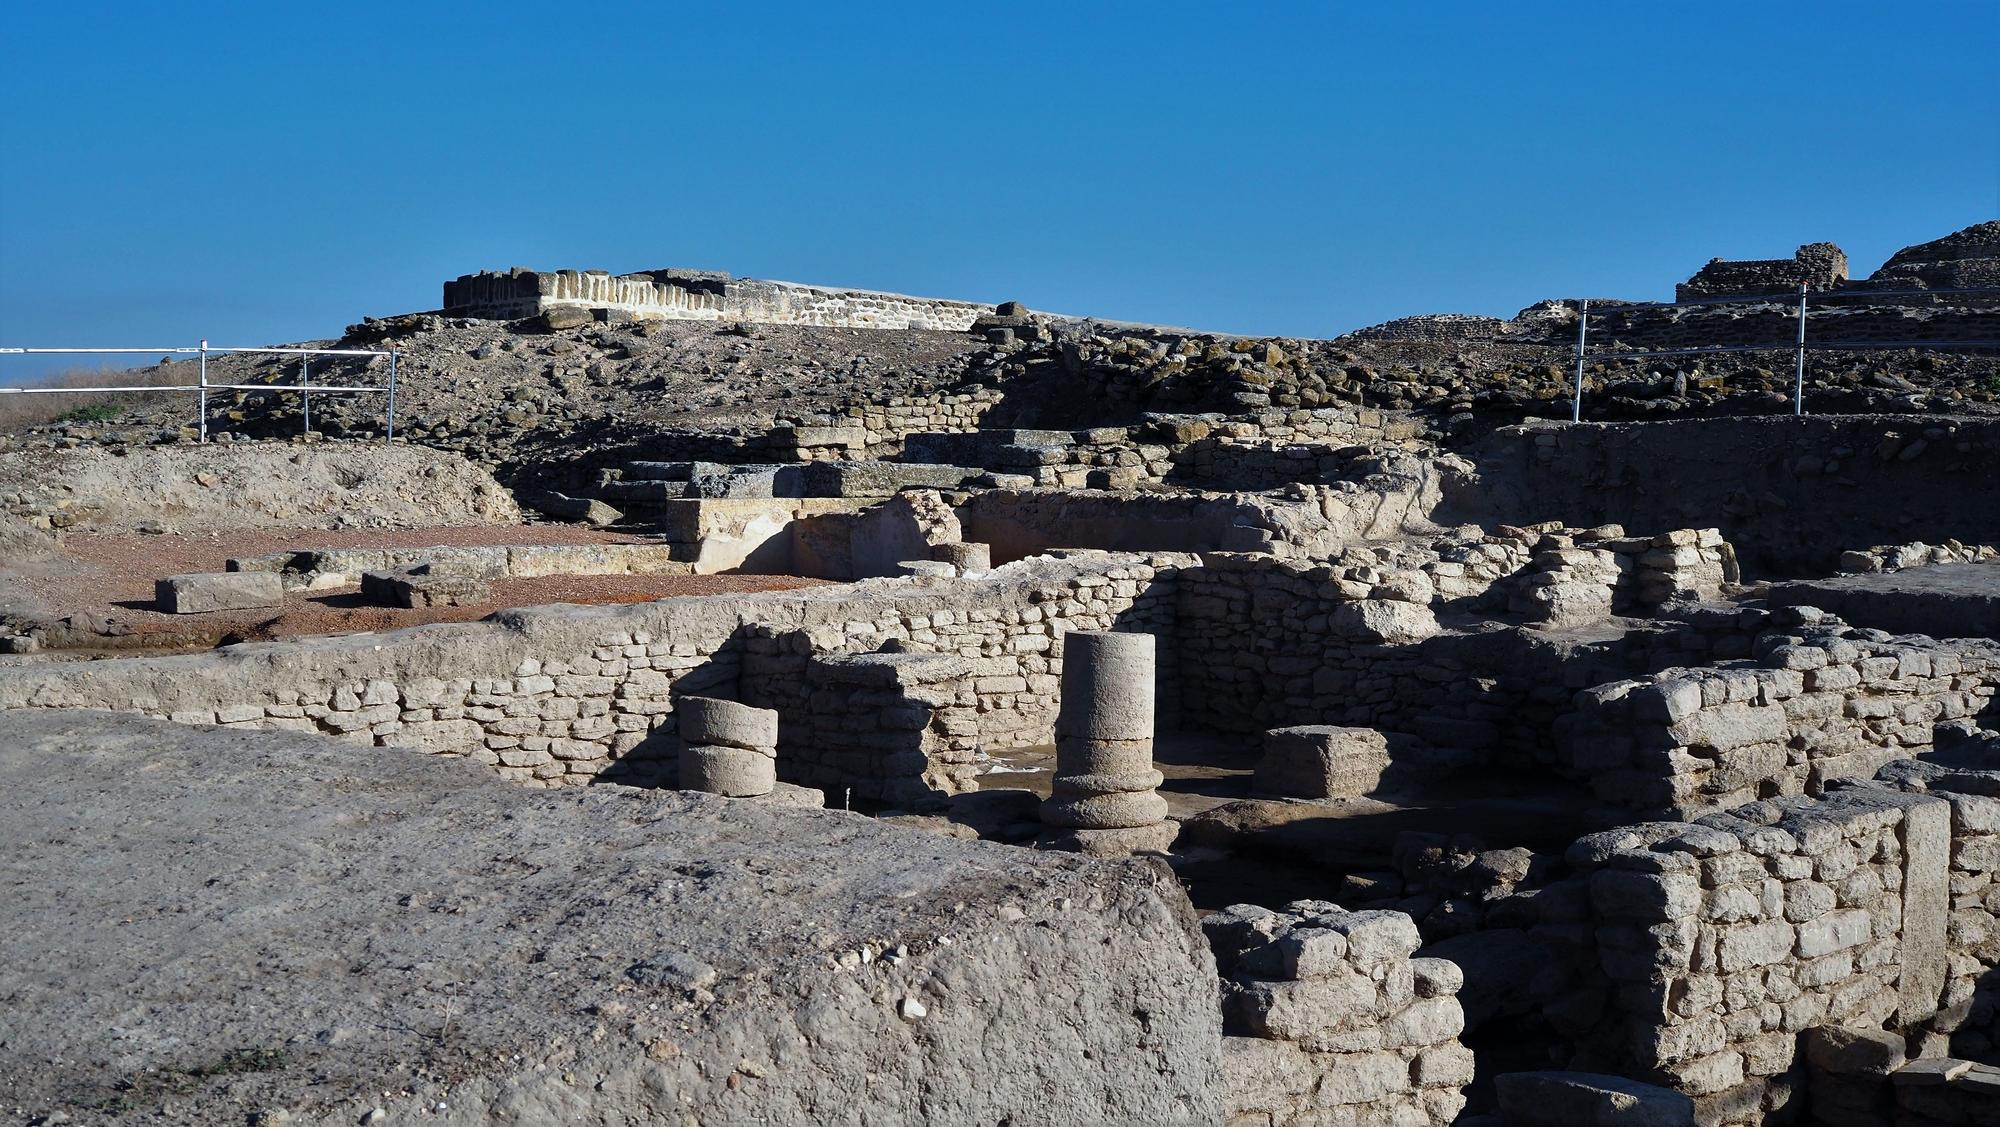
<point>218,590</point>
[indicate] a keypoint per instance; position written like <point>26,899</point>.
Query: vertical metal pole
<point>1799,387</point>
<point>306,397</point>
<point>1582,336</point>
<point>201,397</point>
<point>391,430</point>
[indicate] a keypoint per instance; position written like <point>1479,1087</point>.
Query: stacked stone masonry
<point>1327,1018</point>
<point>727,748</point>
<point>897,728</point>
<point>1724,939</point>
<point>1819,701</point>
<point>564,695</point>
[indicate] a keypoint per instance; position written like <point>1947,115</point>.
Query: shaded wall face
<point>1790,493</point>
<point>1018,525</point>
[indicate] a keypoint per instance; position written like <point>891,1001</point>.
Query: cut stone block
<point>1321,761</point>
<point>730,771</point>
<point>218,590</point>
<point>423,586</point>
<point>726,723</point>
<point>969,559</point>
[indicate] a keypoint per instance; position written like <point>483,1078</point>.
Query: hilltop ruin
<point>1023,719</point>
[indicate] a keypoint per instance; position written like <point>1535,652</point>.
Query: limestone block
<point>1121,810</point>
<point>1384,621</point>
<point>726,723</point>
<point>219,590</point>
<point>1110,843</point>
<point>968,558</point>
<point>732,771</point>
<point>1318,761</point>
<point>422,586</point>
<point>1843,1051</point>
<point>1107,686</point>
<point>1926,851</point>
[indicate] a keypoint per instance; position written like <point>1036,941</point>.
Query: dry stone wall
<point>1790,493</point>
<point>1327,1018</point>
<point>1724,939</point>
<point>1819,701</point>
<point>558,695</point>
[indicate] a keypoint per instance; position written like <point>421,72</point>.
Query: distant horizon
<point>1292,170</point>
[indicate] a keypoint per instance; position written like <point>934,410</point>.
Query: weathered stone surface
<point>386,929</point>
<point>710,720</point>
<point>423,585</point>
<point>218,590</point>
<point>730,771</point>
<point>1107,687</point>
<point>1320,761</point>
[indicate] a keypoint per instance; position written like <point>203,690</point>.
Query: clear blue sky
<point>266,172</point>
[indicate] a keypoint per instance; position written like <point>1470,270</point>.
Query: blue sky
<point>272,172</point>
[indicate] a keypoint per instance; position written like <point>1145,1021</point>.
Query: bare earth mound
<point>242,485</point>
<point>207,926</point>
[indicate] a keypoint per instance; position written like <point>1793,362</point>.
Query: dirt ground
<point>108,577</point>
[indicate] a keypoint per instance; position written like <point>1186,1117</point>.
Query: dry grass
<point>19,412</point>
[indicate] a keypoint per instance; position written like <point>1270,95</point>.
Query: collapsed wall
<point>1327,1017</point>
<point>358,937</point>
<point>681,295</point>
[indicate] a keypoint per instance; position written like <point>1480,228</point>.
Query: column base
<point>1156,838</point>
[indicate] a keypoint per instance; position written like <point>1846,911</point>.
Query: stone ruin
<point>1819,266</point>
<point>1267,765</point>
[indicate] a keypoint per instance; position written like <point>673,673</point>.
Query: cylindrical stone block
<point>731,771</point>
<point>1085,785</point>
<point>1121,810</point>
<point>1076,756</point>
<point>970,559</point>
<point>710,722</point>
<point>1107,687</point>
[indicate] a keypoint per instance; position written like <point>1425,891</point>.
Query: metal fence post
<point>306,395</point>
<point>391,429</point>
<point>1799,386</point>
<point>201,398</point>
<point>1582,335</point>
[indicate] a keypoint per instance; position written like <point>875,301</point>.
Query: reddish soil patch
<point>109,577</point>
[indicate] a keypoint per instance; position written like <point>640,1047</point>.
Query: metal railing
<point>201,387</point>
<point>1799,347</point>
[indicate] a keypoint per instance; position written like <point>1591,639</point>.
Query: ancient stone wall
<point>1790,493</point>
<point>557,695</point>
<point>1328,1019</point>
<point>883,727</point>
<point>315,568</point>
<point>1724,939</point>
<point>668,295</point>
<point>1268,643</point>
<point>1819,701</point>
<point>1819,265</point>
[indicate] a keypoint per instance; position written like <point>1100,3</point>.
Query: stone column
<point>731,749</point>
<point>1104,801</point>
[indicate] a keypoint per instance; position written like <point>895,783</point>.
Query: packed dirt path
<point>101,579</point>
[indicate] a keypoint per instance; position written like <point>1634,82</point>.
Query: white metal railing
<point>1832,299</point>
<point>201,387</point>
